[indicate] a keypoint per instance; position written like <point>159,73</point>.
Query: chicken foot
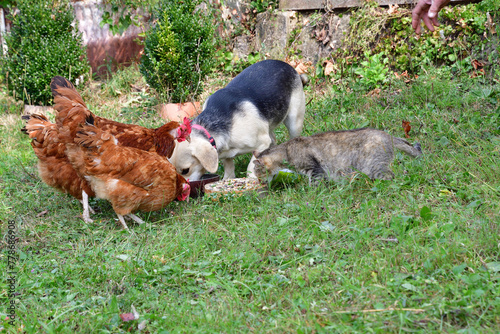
<point>122,221</point>
<point>135,218</point>
<point>86,208</point>
<point>131,216</point>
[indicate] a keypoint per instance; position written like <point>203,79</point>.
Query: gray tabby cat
<point>335,154</point>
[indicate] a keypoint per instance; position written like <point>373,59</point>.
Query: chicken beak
<point>186,191</point>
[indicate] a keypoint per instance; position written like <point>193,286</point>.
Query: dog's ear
<point>207,155</point>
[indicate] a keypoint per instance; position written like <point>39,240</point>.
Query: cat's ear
<point>256,153</point>
<point>257,162</point>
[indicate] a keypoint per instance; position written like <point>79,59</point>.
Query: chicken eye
<point>185,171</point>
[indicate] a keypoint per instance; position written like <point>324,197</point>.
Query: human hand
<point>427,11</point>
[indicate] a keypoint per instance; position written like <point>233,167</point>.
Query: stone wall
<point>274,31</point>
<point>297,20</point>
<point>336,4</point>
<point>105,50</point>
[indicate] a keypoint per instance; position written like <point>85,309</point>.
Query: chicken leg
<point>86,208</point>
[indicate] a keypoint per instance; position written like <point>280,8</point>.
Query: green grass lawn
<point>420,253</point>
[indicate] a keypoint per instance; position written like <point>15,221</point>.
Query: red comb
<point>184,130</point>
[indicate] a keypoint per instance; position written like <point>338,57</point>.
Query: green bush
<point>465,42</point>
<point>373,70</point>
<point>178,50</point>
<point>43,43</point>
<point>460,38</point>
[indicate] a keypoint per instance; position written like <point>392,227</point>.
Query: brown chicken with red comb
<point>72,112</point>
<point>54,166</point>
<point>130,178</point>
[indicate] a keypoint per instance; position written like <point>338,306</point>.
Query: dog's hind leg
<point>296,110</point>
<point>228,168</point>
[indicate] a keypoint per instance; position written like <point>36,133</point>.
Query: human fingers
<point>434,21</point>
<point>436,6</point>
<point>417,28</point>
<point>428,22</point>
<point>416,16</point>
<point>415,24</point>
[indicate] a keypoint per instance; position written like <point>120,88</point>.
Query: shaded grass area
<point>419,253</point>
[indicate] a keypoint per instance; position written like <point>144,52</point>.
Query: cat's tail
<point>403,145</point>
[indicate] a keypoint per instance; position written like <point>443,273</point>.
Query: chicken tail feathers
<point>35,126</point>
<point>25,118</point>
<point>68,102</point>
<point>63,88</point>
<point>60,82</point>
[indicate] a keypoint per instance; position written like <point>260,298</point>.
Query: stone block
<point>272,31</point>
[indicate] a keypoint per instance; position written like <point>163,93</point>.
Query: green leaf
<point>459,269</point>
<point>282,221</point>
<point>113,305</point>
<point>326,226</point>
<point>70,297</point>
<point>22,255</point>
<point>493,267</point>
<point>123,257</point>
<point>443,141</point>
<point>409,286</point>
<point>474,204</point>
<point>426,214</point>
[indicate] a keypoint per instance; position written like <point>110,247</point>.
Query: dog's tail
<point>305,79</point>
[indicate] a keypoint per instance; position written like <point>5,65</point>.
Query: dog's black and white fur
<point>242,117</point>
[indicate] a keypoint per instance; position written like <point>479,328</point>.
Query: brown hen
<point>72,112</point>
<point>49,145</point>
<point>54,167</point>
<point>130,178</point>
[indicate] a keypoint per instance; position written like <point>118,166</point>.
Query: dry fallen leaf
<point>329,68</point>
<point>134,312</point>
<point>321,35</point>
<point>301,68</point>
<point>489,24</point>
<point>374,92</point>
<point>477,64</point>
<point>478,73</point>
<point>43,213</point>
<point>406,128</point>
<point>127,317</point>
<point>142,325</point>
<point>130,316</point>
